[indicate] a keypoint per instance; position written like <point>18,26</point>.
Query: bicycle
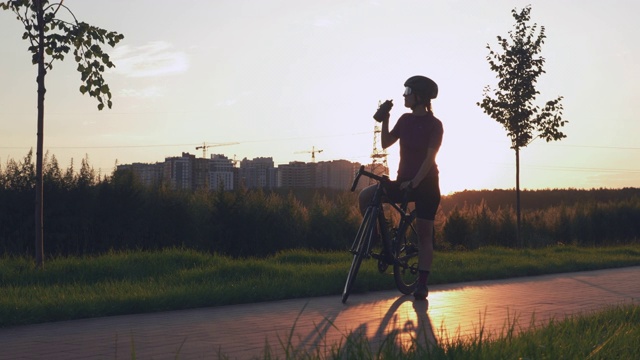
<point>399,245</point>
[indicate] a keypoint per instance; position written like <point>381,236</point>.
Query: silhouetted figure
<point>420,134</point>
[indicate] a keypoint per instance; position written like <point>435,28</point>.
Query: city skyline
<point>187,172</point>
<point>309,76</point>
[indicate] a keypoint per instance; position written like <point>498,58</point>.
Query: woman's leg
<point>425,257</point>
<point>425,254</point>
<point>426,207</point>
<point>364,199</point>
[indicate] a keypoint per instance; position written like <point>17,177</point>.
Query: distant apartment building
<point>257,173</point>
<point>336,174</point>
<point>221,173</point>
<point>149,175</point>
<point>296,174</point>
<point>200,173</point>
<point>179,171</point>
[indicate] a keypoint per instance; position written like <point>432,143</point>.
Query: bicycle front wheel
<point>362,241</point>
<point>405,248</point>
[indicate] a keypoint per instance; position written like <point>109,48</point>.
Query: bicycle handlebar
<point>362,171</point>
<point>382,179</point>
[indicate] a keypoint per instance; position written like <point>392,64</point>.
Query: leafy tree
<point>51,38</point>
<point>518,67</point>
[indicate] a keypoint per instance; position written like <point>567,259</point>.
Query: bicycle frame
<point>393,246</point>
<point>373,211</point>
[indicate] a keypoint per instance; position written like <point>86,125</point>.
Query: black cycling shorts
<point>426,196</point>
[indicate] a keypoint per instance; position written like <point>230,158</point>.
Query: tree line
<point>88,213</point>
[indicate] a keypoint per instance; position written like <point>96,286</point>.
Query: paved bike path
<point>241,331</point>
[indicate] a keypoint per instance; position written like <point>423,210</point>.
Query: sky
<point>278,78</point>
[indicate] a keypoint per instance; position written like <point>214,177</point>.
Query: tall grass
<point>138,281</point>
<point>583,223</point>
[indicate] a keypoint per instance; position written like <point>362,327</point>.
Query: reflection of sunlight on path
<point>445,317</point>
<point>407,322</point>
<point>448,315</point>
<point>401,319</point>
<point>454,316</point>
<point>461,313</point>
<point>455,312</point>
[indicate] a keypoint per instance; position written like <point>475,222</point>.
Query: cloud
<point>148,92</point>
<point>151,60</point>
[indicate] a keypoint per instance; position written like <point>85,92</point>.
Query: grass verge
<point>138,282</point>
<point>608,334</point>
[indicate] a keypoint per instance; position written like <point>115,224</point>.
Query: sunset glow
<point>282,77</point>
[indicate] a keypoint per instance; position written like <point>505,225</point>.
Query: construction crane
<point>204,147</point>
<point>313,152</point>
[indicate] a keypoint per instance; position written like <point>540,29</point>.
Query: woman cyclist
<point>420,134</point>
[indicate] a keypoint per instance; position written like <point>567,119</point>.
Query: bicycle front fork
<point>362,241</point>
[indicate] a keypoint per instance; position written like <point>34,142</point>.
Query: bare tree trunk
<point>39,216</point>
<point>518,213</point>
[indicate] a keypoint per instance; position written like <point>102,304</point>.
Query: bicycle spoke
<point>405,268</point>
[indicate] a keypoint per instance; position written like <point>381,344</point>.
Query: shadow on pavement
<point>405,322</point>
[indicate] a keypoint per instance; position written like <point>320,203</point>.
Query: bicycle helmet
<point>422,86</point>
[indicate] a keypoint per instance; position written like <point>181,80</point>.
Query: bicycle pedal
<point>382,266</point>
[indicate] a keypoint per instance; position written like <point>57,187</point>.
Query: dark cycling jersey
<point>416,135</point>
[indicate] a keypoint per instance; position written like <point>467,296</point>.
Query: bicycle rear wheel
<point>405,248</point>
<point>360,250</point>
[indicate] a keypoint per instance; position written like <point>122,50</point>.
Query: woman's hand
<point>382,117</point>
<point>406,185</point>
